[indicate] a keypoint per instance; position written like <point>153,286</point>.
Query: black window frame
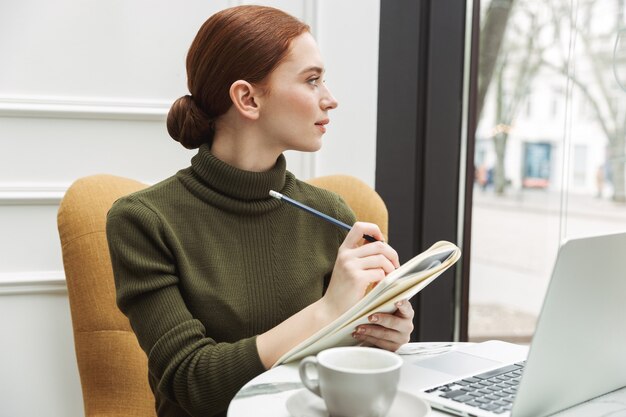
<point>425,146</point>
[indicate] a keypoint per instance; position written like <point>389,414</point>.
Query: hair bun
<point>188,124</point>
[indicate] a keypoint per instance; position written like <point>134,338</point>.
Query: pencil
<point>319,214</point>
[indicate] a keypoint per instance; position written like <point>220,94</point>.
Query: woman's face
<point>294,110</point>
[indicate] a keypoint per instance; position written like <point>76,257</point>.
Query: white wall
<point>84,88</point>
<point>348,38</point>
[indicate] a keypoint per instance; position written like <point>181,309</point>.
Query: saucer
<point>306,404</point>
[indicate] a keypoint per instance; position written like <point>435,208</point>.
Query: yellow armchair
<point>113,369</point>
<point>362,199</point>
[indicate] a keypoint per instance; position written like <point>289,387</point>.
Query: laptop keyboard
<point>491,391</point>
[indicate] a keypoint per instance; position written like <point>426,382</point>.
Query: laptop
<point>577,352</point>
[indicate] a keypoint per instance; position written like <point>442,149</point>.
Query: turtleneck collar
<point>233,189</point>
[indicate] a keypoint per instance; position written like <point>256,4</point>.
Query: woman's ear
<point>243,95</point>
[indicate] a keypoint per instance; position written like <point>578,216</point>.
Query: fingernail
<point>399,304</point>
<point>360,330</point>
<point>373,319</point>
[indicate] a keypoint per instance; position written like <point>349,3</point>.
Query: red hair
<point>239,43</point>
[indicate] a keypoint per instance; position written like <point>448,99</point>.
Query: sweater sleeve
<point>344,213</point>
<point>189,367</point>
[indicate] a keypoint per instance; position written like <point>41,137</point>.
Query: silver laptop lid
<point>577,352</point>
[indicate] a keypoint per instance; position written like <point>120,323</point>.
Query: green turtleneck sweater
<point>204,261</point>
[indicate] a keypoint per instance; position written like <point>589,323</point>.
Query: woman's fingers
<point>388,331</point>
<point>377,261</point>
<point>405,310</point>
<point>380,343</point>
<point>357,266</point>
<point>372,249</point>
<point>401,321</point>
<point>354,238</point>
<point>376,247</point>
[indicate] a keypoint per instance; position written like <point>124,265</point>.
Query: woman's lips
<point>322,125</point>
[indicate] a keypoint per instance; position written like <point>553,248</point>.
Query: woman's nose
<point>328,100</point>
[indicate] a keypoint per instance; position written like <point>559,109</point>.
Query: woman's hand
<point>358,264</point>
<point>388,331</point>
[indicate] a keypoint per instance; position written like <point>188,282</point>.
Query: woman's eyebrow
<point>313,68</point>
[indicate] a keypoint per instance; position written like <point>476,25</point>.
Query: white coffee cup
<point>354,381</point>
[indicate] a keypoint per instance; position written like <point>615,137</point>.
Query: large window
<point>549,150</point>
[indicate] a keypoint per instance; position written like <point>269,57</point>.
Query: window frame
<point>425,146</point>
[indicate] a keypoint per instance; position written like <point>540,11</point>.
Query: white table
<point>266,394</point>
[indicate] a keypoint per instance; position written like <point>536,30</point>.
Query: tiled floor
<point>494,321</point>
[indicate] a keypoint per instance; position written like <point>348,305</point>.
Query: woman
<point>217,278</point>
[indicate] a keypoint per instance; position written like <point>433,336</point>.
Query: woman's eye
<point>314,81</point>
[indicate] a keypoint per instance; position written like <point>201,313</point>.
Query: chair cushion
<point>113,368</point>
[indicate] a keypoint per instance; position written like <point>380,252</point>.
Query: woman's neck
<point>244,151</point>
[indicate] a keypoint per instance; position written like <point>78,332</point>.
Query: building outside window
<point>550,174</point>
<point>537,165</point>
